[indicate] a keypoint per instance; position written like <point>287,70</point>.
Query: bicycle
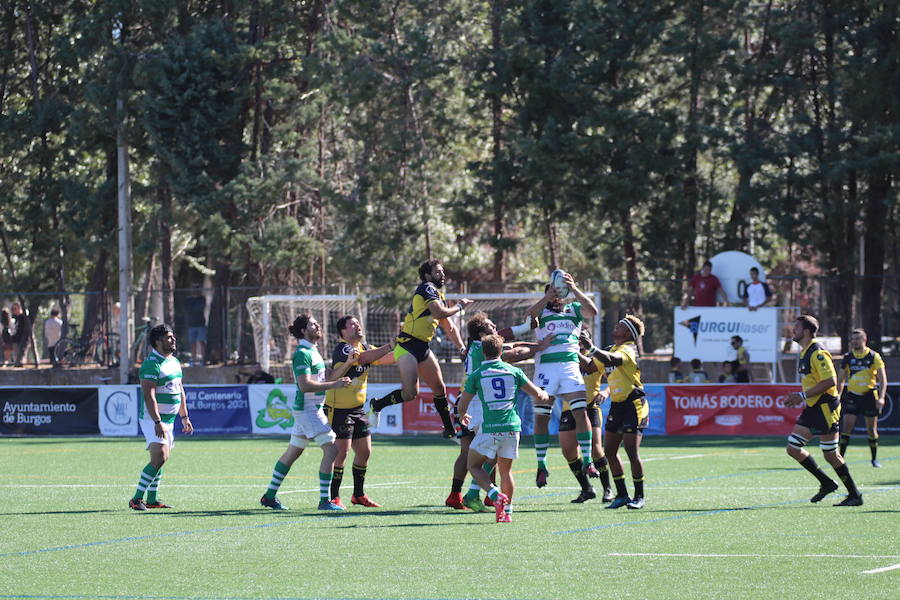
<point>139,347</point>
<point>73,350</point>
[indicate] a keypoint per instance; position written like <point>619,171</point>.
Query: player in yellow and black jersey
<point>344,408</point>
<point>593,372</point>
<point>415,359</point>
<point>863,379</point>
<point>821,413</point>
<point>629,412</point>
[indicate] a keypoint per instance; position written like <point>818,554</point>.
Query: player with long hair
<point>415,360</point>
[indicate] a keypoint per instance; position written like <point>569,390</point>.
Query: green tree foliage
<point>285,145</point>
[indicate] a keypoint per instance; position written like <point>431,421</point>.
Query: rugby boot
<point>824,490</point>
<point>273,503</point>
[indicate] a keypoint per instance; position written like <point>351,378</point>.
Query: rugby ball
<point>558,283</point>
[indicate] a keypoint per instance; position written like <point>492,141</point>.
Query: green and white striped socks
<point>153,487</point>
<point>278,474</point>
<point>324,485</point>
<point>584,443</point>
<point>147,476</point>
<point>541,443</point>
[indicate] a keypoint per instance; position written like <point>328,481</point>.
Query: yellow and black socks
<point>844,442</point>
<point>337,476</point>
<point>873,446</point>
<point>844,473</point>
<point>359,480</point>
<point>578,472</point>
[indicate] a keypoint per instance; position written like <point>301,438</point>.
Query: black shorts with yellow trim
<point>348,423</point>
<point>567,420</point>
<point>823,416</point>
<point>418,348</point>
<point>854,404</point>
<point>629,416</point>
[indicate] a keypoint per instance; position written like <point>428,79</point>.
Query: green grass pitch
<point>725,518</point>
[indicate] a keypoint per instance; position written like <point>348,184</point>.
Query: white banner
<point>705,333</point>
<point>118,410</point>
<point>270,409</point>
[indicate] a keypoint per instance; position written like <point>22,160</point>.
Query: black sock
<point>456,487</point>
<point>578,472</point>
<point>359,481</point>
<point>844,473</point>
<point>336,478</point>
<point>603,466</point>
<point>621,488</point>
<point>639,486</point>
<point>395,397</point>
<point>842,445</point>
<point>443,408</point>
<point>809,463</point>
<point>873,446</point>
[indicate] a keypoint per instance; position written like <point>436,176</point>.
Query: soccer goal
<point>271,315</point>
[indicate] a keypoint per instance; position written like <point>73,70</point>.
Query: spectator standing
<point>52,333</point>
<point>757,293</point>
<point>704,289</point>
<point>195,315</point>
<point>7,325</point>
<point>740,366</point>
<point>727,375</point>
<point>675,374</point>
<point>698,375</point>
<point>21,334</point>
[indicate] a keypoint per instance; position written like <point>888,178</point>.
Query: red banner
<point>419,414</point>
<point>748,409</point>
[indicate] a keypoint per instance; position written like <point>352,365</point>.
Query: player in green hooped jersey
<point>163,400</point>
<point>310,422</point>
<point>496,384</point>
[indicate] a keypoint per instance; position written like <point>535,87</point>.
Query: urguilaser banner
<point>751,409</point>
<point>706,333</point>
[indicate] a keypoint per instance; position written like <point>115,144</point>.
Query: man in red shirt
<point>704,288</point>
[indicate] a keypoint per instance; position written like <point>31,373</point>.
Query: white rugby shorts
<point>149,431</point>
<point>311,425</point>
<point>559,378</point>
<point>504,444</point>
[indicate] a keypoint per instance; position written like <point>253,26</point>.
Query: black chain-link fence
<point>213,325</point>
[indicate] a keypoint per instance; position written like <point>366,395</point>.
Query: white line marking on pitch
<point>677,555</point>
<point>883,569</point>
<point>368,485</point>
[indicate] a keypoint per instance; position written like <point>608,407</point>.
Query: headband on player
<point>631,328</point>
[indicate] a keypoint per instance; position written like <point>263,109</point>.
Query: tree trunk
<point>500,249</point>
<point>215,347</point>
<point>880,194</point>
<point>167,286</point>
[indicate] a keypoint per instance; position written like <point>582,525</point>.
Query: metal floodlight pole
<point>126,316</point>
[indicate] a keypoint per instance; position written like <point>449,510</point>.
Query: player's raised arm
<point>588,308</point>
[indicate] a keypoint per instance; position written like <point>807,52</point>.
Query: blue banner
<point>218,410</point>
<point>656,396</point>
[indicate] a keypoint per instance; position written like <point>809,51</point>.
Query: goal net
<point>271,315</point>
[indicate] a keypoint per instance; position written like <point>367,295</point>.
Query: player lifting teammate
<point>628,413</point>
<point>557,371</point>
<point>344,408</point>
<point>415,360</point>
<point>479,327</point>
<point>496,384</point>
<point>821,414</point>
